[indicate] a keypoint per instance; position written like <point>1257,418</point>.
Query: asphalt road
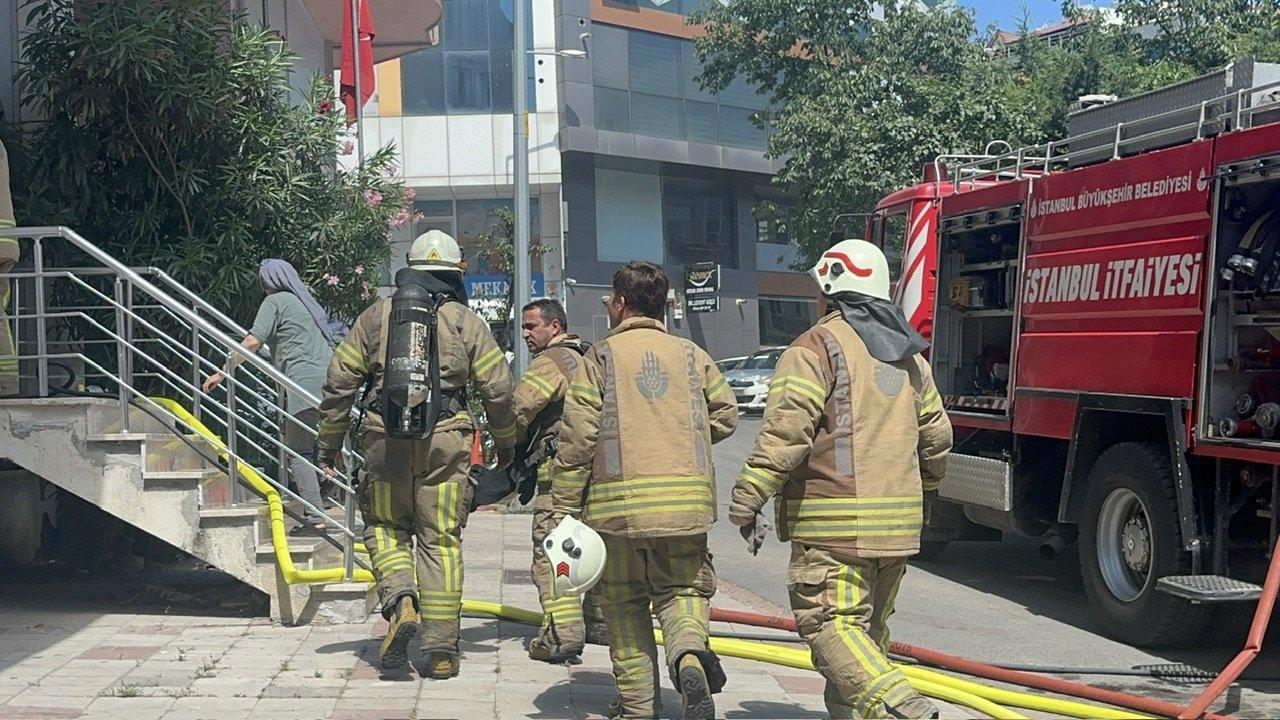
<point>998,602</point>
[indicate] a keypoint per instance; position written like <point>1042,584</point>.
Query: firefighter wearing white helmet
<point>417,448</point>
<point>852,387</point>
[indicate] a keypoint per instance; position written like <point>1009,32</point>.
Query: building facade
<point>628,159</point>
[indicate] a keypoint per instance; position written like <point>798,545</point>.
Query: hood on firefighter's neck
<point>881,325</point>
<point>446,282</point>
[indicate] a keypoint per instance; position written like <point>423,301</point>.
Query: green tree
<point>1197,36</point>
<point>859,104</point>
<point>169,138</point>
<point>498,250</point>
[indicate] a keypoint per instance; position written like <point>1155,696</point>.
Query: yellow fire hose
<point>976,696</point>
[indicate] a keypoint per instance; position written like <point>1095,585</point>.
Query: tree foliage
<point>170,137</point>
<point>859,102</point>
<point>498,250</point>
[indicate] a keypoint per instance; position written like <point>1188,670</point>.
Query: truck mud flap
<point>980,481</point>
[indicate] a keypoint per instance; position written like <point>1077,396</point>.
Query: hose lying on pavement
<point>977,669</point>
<point>984,699</point>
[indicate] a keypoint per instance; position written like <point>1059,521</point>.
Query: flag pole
<point>355,66</point>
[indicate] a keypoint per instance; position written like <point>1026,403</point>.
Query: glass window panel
<point>701,122</point>
<point>782,321</point>
<point>689,69</point>
<point>467,81</point>
<point>609,56</point>
<point>500,80</point>
<point>892,241</point>
<point>697,220</point>
<point>671,6</point>
<point>654,63</point>
<point>741,94</point>
<point>657,116</point>
<point>422,83</point>
<point>434,208</point>
<point>502,23</point>
<point>628,216</point>
<point>737,129</point>
<point>613,110</point>
<point>464,25</point>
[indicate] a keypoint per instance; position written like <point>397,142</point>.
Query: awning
<point>403,25</point>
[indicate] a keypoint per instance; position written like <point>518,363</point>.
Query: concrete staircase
<point>163,482</point>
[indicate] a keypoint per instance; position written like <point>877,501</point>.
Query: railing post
<point>42,336</point>
<point>1240,94</point>
<point>122,353</point>
<point>1048,156</point>
<point>1200,124</point>
<point>1115,149</point>
<point>233,472</point>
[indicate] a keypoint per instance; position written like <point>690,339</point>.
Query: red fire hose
<point>1014,677</point>
<point>1261,618</point>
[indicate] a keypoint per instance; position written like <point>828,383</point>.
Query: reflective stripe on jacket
<point>541,390</point>
<point>848,444</point>
<point>635,445</point>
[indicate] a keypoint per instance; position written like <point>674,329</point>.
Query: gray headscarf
<point>279,276</point>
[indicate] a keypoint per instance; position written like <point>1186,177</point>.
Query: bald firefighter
<point>635,461</point>
<point>853,439</point>
<point>8,258</point>
<point>539,399</point>
<point>418,488</point>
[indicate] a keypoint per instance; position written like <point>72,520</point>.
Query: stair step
<point>117,437</point>
<point>188,479</point>
<point>302,549</point>
<point>1209,588</point>
<point>243,515</point>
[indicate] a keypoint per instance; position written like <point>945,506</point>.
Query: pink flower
<point>364,294</point>
<point>364,284</point>
<point>373,197</point>
<point>325,106</point>
<point>417,217</point>
<point>410,193</point>
<point>331,279</point>
<point>348,148</point>
<point>401,217</point>
<point>360,270</point>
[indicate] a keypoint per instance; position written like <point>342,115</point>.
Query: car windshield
<point>766,360</point>
<point>727,365</point>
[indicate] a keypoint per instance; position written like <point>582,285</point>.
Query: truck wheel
<point>1129,538</point>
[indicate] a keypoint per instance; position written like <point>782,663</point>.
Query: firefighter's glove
<point>930,497</point>
<point>755,532</point>
<point>326,459</point>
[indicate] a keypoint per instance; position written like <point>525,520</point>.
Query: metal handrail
<point>1041,158</point>
<point>174,353</point>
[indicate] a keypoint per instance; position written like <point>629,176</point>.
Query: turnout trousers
<point>842,604</point>
<point>675,575</point>
<point>564,620</point>
<point>419,491</point>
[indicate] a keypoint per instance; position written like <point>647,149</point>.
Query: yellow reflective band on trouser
<point>351,356</point>
<point>486,362</point>
<point>537,383</point>
<point>440,605</point>
<point>886,679</point>
<point>564,610</point>
<point>446,603</point>
<point>930,402</point>
<point>801,385</point>
<point>766,480</point>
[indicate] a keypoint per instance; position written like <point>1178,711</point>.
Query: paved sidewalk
<point>142,667</point>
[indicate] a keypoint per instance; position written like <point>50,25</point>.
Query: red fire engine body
<point>1105,329</point>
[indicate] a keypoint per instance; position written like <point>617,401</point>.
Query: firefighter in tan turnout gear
<point>8,258</point>
<point>635,462</point>
<point>853,438</point>
<point>539,401</point>
<point>419,488</point>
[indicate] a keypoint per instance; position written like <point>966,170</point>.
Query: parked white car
<point>750,380</point>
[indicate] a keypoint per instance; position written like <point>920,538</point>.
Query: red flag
<point>346,78</point>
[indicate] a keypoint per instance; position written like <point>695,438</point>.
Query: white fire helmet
<point>576,554</point>
<point>435,250</point>
<point>852,266</point>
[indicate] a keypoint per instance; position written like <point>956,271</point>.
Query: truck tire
<point>1129,538</point>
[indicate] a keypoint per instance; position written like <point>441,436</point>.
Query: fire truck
<point>1104,318</point>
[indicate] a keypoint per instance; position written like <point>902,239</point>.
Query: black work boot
<point>695,690</point>
<point>394,654</point>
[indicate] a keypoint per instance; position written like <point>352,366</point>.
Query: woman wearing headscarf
<point>300,335</point>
